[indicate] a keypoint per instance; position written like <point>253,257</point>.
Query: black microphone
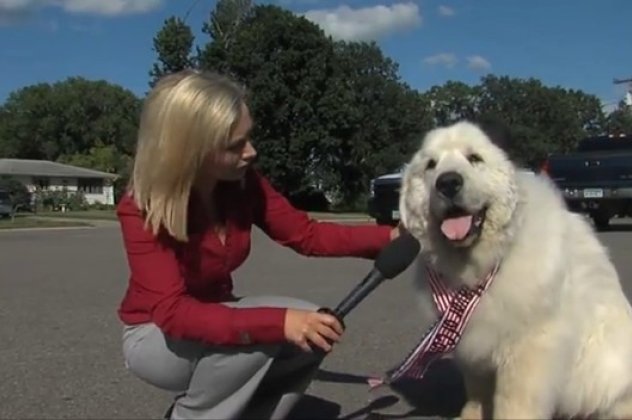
<point>391,261</point>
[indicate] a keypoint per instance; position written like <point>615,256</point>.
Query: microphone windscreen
<point>397,255</point>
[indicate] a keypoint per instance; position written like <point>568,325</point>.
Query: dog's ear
<point>497,131</point>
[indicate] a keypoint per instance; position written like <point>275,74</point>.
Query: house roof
<point>46,168</point>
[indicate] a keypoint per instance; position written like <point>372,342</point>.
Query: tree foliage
<point>46,121</point>
<point>620,121</point>
<point>223,27</point>
<point>20,197</point>
<point>174,46</point>
<point>285,62</point>
<point>374,121</point>
<point>543,119</point>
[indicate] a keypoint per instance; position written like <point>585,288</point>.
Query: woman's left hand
<point>397,230</point>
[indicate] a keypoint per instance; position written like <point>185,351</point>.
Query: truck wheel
<point>601,220</point>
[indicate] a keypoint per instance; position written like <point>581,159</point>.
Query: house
<point>44,175</point>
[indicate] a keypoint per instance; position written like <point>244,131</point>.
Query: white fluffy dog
<point>552,335</point>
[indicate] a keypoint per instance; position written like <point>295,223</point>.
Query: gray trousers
<point>251,382</point>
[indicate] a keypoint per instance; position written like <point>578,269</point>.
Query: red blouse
<point>179,285</point>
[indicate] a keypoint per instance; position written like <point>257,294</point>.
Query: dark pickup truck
<point>596,179</point>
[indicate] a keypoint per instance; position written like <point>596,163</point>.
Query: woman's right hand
<point>305,327</point>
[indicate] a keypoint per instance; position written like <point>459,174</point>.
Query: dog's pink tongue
<point>456,228</point>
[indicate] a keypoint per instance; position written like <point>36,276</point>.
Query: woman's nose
<point>249,152</point>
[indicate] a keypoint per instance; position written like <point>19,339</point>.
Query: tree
<point>26,123</point>
<point>45,121</point>
<point>543,119</point>
<point>174,45</point>
<point>452,102</point>
<point>223,26</point>
<point>20,196</point>
<point>284,60</point>
<point>620,120</point>
<point>373,120</point>
<point>589,112</point>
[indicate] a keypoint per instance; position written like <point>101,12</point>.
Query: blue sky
<point>577,44</point>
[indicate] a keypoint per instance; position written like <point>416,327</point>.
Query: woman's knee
<point>173,365</point>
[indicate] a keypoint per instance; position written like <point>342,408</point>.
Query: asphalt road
<point>60,349</point>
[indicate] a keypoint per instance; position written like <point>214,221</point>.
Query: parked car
<point>6,206</point>
<point>383,203</point>
<point>596,179</point>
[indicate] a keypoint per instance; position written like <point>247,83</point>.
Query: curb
<point>40,229</point>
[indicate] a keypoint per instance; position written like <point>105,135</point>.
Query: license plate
<point>593,193</point>
<point>395,214</point>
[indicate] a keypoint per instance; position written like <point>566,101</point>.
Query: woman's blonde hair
<point>185,116</point>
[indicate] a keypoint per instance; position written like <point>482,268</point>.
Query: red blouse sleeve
<point>293,228</point>
<point>158,287</point>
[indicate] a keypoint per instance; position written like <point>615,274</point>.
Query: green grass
<point>338,216</point>
<point>85,214</point>
<point>110,215</point>
<point>23,222</point>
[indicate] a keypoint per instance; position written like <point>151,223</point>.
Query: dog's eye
<point>431,164</point>
<point>474,158</point>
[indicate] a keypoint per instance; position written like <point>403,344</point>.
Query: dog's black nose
<point>449,184</point>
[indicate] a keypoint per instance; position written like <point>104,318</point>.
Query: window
<point>90,185</point>
<point>42,183</point>
<point>5,198</point>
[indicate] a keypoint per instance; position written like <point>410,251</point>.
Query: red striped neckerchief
<point>455,308</point>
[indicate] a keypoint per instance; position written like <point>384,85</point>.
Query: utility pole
<point>628,95</point>
<point>619,81</point>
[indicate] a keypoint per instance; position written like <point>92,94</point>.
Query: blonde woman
<point>186,222</point>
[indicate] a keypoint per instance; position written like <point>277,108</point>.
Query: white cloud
<point>446,10</point>
<point>13,5</point>
<point>367,23</point>
<point>110,7</point>
<point>15,10</point>
<point>448,60</point>
<point>12,11</point>
<point>476,62</point>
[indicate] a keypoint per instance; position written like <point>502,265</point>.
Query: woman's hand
<point>397,230</point>
<point>305,327</point>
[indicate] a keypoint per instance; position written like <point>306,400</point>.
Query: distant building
<point>45,175</point>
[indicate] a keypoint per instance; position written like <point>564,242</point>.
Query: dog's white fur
<point>552,336</point>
